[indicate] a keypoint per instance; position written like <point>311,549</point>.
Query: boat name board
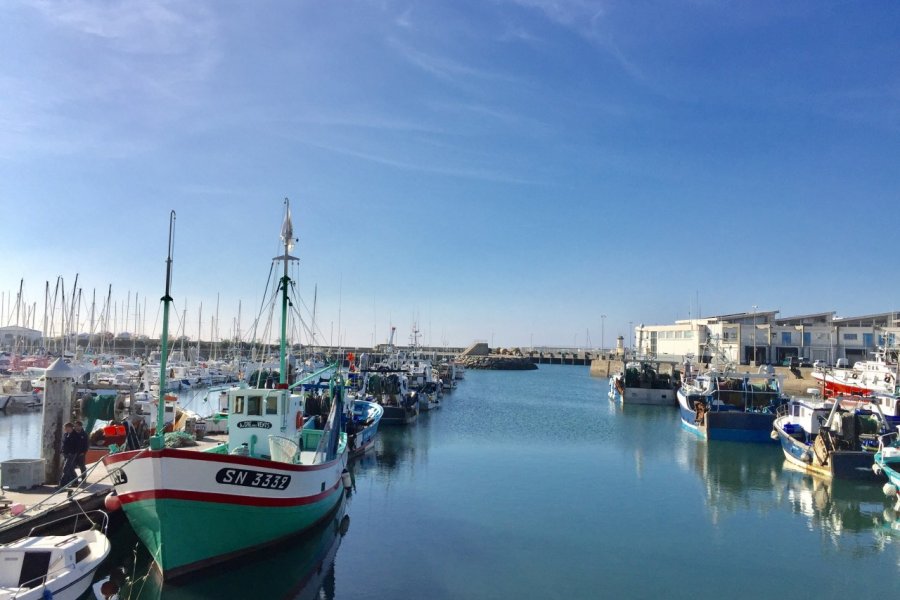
<point>119,477</point>
<point>257,424</point>
<point>255,479</point>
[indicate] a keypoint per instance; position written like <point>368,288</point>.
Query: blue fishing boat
<point>363,425</point>
<point>730,406</point>
<point>834,438</point>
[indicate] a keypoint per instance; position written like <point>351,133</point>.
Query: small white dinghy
<point>54,566</point>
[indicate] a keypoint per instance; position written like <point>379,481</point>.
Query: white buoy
<point>773,434</point>
<point>876,468</point>
<point>890,490</point>
<point>348,481</point>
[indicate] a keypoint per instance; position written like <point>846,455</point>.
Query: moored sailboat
<point>277,475</point>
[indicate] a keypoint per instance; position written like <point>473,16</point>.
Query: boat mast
<point>287,238</point>
<point>45,331</point>
<point>199,330</point>
<point>158,441</point>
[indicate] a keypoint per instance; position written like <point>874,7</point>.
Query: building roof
<point>799,319</point>
<point>888,318</point>
<point>16,330</point>
<point>762,315</point>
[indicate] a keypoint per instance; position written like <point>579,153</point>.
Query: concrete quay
<point>45,503</point>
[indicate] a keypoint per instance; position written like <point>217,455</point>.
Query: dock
<point>46,503</point>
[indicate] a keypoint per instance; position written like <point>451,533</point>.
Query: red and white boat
<point>866,377</point>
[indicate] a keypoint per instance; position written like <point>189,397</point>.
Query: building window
<point>688,335</point>
<point>850,337</point>
<point>867,340</point>
<point>786,338</point>
<point>678,335</point>
<point>807,338</point>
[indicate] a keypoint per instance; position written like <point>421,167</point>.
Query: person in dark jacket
<point>83,446</point>
<point>70,446</point>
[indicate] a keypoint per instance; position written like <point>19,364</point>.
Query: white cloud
<point>104,74</point>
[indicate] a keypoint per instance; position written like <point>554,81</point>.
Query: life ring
<point>853,376</point>
<point>299,419</point>
<point>887,378</point>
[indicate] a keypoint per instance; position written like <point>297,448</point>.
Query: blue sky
<point>494,169</point>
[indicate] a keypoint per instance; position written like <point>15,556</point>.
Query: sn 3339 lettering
<point>255,479</point>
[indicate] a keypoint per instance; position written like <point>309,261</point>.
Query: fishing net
<point>179,439</point>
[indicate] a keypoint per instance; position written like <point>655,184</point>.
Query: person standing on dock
<point>83,445</point>
<point>69,453</point>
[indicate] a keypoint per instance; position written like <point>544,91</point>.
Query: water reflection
<point>395,447</point>
<point>736,477</point>
<point>840,509</point>
<point>297,569</point>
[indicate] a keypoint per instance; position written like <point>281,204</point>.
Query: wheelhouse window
<point>238,408</point>
<point>272,405</point>
<point>254,406</point>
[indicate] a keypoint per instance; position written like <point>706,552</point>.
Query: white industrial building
<point>13,334</point>
<point>770,339</point>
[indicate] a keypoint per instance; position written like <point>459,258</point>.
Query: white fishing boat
<point>60,567</point>
<point>645,382</point>
<point>18,393</point>
<point>277,475</point>
<point>865,377</point>
<point>835,437</point>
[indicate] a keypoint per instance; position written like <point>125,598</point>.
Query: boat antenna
<point>287,238</point>
<point>157,442</point>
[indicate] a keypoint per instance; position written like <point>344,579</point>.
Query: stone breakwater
<point>500,363</point>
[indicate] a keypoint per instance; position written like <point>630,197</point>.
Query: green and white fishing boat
<point>276,476</point>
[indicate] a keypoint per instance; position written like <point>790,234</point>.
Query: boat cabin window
<point>35,566</point>
<point>238,405</point>
<point>82,554</point>
<point>272,405</point>
<point>254,406</point>
<point>795,410</point>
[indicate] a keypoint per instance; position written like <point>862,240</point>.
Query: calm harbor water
<point>534,485</point>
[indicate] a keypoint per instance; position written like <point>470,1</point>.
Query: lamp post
<point>602,333</point>
<point>754,336</point>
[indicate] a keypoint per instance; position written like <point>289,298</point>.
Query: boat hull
<point>848,465</point>
<point>728,425</point>
<point>372,413</point>
<point>398,415</point>
<point>238,503</point>
<point>649,397</point>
